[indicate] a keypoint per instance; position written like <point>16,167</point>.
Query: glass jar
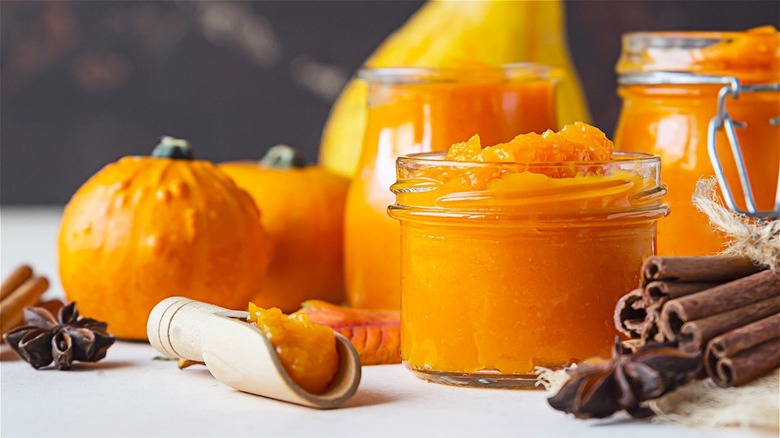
<point>672,85</point>
<point>509,266</point>
<point>418,110</point>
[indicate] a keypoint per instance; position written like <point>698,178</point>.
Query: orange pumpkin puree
<point>430,114</point>
<point>671,120</point>
<point>307,350</point>
<point>508,265</point>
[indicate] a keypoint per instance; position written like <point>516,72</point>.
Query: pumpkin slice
<point>376,334</point>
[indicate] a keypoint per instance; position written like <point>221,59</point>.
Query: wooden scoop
<point>239,355</point>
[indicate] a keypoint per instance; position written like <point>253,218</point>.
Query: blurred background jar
<point>421,110</point>
<point>670,83</point>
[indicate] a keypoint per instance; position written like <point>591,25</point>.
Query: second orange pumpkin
<point>303,211</point>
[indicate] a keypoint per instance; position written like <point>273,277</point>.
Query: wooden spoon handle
<point>239,355</point>
<point>179,327</point>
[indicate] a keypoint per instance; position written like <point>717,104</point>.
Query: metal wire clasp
<point>723,120</point>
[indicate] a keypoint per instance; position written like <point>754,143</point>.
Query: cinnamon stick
<point>748,364</point>
<point>746,337</point>
<point>14,280</point>
<point>712,268</point>
<point>656,290</point>
<point>741,339</point>
<point>728,296</point>
<point>650,330</point>
<point>694,335</point>
<point>630,314</point>
<point>23,296</point>
<point>632,345</point>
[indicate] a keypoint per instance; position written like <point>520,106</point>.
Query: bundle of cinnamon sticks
<point>22,288</point>
<point>724,306</point>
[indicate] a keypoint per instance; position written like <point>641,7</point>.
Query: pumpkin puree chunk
<point>575,142</point>
<point>307,350</point>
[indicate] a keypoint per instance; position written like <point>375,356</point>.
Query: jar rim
<point>752,56</point>
<point>414,187</point>
<point>676,39</point>
<point>408,75</point>
<point>438,159</point>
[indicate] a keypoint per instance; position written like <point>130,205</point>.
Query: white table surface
<point>129,394</point>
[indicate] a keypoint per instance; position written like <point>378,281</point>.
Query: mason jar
<point>510,266</point>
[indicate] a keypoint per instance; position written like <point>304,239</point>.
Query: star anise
<point>626,381</point>
<point>44,339</point>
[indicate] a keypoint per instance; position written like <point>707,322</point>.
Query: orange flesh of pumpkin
<point>376,334</point>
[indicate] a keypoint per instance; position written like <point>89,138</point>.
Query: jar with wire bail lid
<point>709,104</point>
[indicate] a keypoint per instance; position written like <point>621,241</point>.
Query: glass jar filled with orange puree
<point>419,110</point>
<point>513,256</point>
<point>707,103</point>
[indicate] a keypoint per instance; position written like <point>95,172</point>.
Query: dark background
<point>83,83</point>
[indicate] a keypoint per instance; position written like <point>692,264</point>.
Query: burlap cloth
<point>758,240</point>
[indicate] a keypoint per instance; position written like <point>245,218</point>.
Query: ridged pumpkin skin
<point>303,212</point>
<point>143,229</point>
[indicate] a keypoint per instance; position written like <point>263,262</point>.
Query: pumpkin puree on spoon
<point>307,350</point>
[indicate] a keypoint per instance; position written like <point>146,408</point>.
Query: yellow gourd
<point>451,34</point>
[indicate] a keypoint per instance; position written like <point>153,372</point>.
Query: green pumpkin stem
<point>283,157</point>
<point>173,148</point>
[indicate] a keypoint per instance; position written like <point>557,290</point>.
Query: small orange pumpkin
<point>146,228</point>
<point>303,212</point>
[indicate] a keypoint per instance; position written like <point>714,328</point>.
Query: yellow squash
<point>451,34</point>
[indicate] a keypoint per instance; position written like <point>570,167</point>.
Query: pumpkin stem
<point>173,148</point>
<point>282,156</point>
